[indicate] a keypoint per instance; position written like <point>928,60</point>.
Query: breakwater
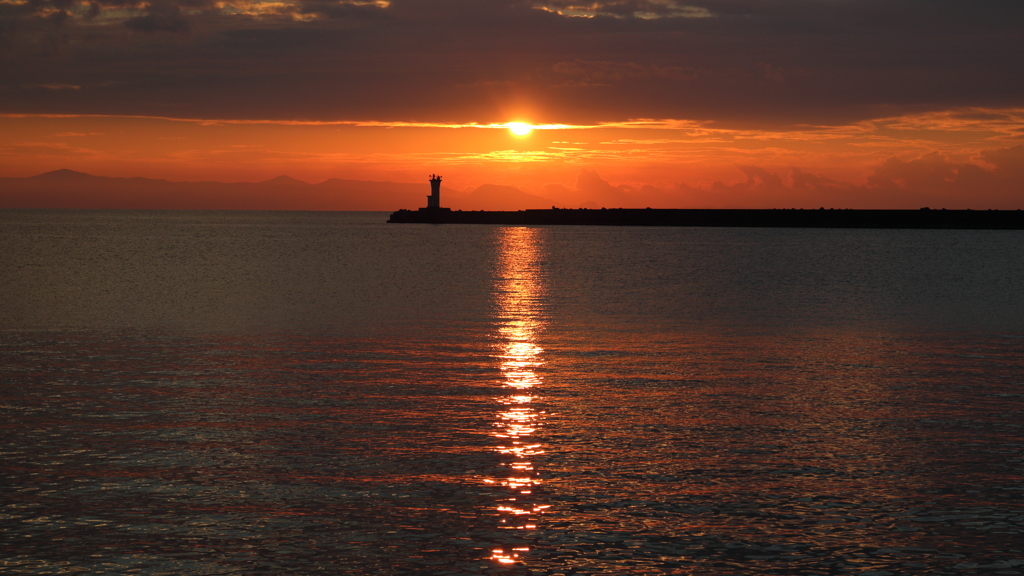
<point>769,218</point>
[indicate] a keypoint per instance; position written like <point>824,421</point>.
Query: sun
<point>520,128</point>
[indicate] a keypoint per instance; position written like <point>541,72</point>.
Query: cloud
<point>592,191</point>
<point>929,180</point>
<point>56,86</point>
<point>586,73</point>
<point>646,9</point>
<point>742,63</point>
<point>1008,165</point>
<point>160,17</point>
<point>47,149</point>
<point>343,9</point>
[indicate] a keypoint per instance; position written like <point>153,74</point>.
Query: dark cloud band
<point>736,62</point>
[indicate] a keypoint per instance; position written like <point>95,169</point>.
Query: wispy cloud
<point>55,86</point>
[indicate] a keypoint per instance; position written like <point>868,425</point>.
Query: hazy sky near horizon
<point>865,103</point>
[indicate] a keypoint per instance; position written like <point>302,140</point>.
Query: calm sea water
<point>323,393</point>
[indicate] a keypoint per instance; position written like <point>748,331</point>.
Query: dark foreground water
<point>247,393</point>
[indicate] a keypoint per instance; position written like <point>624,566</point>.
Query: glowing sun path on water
<point>517,298</point>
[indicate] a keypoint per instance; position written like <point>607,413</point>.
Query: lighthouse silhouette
<point>434,200</point>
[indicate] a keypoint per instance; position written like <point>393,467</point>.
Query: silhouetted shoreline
<point>768,218</point>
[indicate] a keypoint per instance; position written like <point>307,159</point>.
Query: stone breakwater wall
<point>774,218</point>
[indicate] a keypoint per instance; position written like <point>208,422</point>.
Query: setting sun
<point>520,128</point>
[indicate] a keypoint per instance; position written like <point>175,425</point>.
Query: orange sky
<point>920,155</point>
<point>714,103</point>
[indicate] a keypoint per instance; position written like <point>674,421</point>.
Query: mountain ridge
<point>70,189</point>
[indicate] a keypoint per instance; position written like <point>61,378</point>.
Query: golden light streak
<point>957,119</point>
<point>499,555</point>
<point>519,309</point>
<point>664,124</point>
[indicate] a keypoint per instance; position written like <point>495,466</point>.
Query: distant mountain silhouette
<point>70,189</point>
<point>283,180</point>
<point>63,174</point>
<point>495,197</point>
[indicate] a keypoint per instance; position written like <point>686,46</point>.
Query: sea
<point>212,393</point>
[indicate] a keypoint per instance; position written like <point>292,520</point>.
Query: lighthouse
<point>434,200</point>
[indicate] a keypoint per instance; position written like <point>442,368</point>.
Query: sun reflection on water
<point>519,310</point>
